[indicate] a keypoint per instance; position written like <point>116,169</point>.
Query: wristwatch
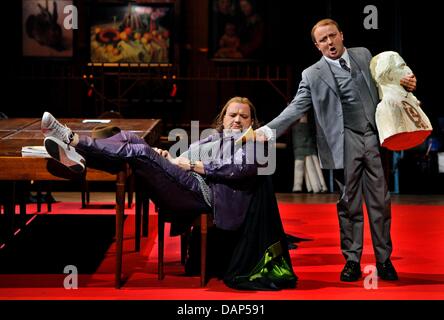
<point>192,165</point>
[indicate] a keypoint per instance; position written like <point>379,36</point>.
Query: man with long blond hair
<point>214,175</point>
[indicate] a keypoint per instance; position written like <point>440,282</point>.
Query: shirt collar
<point>344,56</point>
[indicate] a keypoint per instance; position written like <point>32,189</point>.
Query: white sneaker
<point>52,128</point>
<point>63,153</point>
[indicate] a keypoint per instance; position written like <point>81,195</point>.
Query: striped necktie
<point>344,64</point>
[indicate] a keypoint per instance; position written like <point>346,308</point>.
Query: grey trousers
<point>364,176</point>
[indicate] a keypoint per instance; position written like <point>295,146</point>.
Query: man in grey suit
<point>340,89</point>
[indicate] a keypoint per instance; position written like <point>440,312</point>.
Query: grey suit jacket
<point>318,89</point>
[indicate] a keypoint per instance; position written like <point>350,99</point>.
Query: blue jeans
<point>169,186</point>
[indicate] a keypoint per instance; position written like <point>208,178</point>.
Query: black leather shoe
<point>351,272</point>
<point>386,270</point>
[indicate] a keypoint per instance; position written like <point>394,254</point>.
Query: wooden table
<point>18,132</point>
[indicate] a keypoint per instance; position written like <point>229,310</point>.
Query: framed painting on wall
<point>237,30</point>
<point>132,33</point>
<point>43,30</point>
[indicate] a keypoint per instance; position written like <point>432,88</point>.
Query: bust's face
<point>389,68</point>
<point>397,69</point>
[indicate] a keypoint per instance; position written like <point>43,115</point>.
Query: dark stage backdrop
<point>31,87</point>
<point>409,29</point>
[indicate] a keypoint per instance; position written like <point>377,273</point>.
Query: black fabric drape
<point>261,229</point>
<point>233,255</point>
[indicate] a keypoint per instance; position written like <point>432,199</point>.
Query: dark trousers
<point>364,176</point>
<point>169,186</point>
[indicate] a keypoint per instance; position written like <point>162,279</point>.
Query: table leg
<point>120,207</point>
<point>9,210</point>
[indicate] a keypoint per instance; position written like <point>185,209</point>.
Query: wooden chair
<point>203,221</point>
<point>141,212</point>
<point>48,198</point>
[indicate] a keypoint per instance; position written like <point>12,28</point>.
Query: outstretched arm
<point>300,104</point>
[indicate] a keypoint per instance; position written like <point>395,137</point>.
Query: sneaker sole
<point>70,159</point>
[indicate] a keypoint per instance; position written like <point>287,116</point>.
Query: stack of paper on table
<point>34,151</point>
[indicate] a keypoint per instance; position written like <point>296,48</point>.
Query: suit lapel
<point>326,75</point>
<point>361,68</point>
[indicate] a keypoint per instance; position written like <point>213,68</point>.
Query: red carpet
<point>418,255</point>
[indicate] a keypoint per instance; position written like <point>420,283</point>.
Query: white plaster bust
<point>400,120</point>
